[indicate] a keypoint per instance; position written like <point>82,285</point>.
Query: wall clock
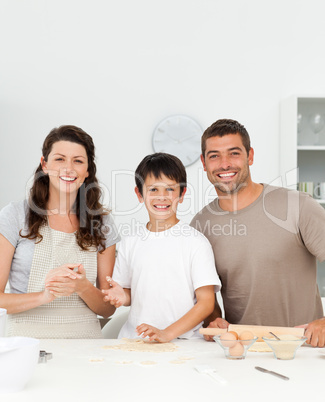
<point>178,135</point>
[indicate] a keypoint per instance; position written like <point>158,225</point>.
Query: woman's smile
<point>67,163</point>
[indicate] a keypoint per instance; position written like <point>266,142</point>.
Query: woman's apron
<point>64,317</point>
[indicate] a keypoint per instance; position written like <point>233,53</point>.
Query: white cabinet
<point>302,150</point>
<point>302,142</point>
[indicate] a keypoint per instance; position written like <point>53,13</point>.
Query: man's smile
<point>226,175</point>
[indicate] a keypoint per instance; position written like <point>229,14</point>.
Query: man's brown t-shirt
<point>266,255</point>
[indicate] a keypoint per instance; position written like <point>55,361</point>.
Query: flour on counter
<point>141,345</point>
<point>148,363</point>
<point>186,358</point>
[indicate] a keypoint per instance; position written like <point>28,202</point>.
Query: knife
<point>271,372</point>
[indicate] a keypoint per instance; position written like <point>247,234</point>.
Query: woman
<point>56,246</point>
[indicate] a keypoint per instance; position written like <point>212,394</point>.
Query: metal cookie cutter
<point>44,356</point>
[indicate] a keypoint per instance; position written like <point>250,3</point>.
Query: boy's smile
<point>161,197</point>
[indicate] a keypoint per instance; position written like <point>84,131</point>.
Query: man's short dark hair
<point>224,127</point>
<point>159,164</point>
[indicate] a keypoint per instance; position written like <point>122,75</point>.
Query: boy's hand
<point>154,334</point>
<point>115,294</point>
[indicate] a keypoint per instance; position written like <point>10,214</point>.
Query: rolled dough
<point>141,345</point>
<point>260,347</point>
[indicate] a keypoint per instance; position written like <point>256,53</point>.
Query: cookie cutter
<point>44,356</point>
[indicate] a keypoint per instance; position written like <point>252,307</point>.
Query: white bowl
<point>18,359</point>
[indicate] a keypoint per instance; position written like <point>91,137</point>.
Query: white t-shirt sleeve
<point>122,271</point>
<point>10,222</point>
<point>203,265</point>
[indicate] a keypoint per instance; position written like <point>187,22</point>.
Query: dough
<point>141,345</point>
<point>186,358</point>
<point>177,362</point>
<point>260,347</point>
<point>148,363</point>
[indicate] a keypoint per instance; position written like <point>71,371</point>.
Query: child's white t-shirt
<point>163,270</point>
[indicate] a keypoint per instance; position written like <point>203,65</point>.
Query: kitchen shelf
<point>311,147</point>
<point>302,152</point>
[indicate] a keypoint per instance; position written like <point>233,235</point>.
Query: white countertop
<point>82,370</point>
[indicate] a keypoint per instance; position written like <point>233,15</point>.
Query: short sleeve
<point>203,264</point>
<point>111,233</point>
<point>312,226</point>
<point>121,272</point>
<point>12,220</point>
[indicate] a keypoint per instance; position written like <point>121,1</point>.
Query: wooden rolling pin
<point>257,330</point>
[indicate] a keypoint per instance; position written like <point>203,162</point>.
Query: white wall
<point>116,68</point>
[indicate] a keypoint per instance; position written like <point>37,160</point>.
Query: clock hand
<point>172,138</point>
<point>187,138</point>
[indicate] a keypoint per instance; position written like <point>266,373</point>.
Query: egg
<point>228,340</point>
<point>233,332</point>
<point>237,350</point>
<point>245,336</point>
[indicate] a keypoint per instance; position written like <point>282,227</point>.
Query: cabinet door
<point>302,151</point>
<point>302,141</point>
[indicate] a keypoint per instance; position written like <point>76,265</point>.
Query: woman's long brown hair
<point>88,207</point>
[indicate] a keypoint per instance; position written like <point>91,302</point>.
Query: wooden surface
<point>257,330</point>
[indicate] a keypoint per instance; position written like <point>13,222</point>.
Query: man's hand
<point>217,323</point>
<point>315,332</point>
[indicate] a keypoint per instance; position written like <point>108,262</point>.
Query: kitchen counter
<point>82,370</point>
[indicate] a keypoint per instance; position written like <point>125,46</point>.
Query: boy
<point>166,273</point>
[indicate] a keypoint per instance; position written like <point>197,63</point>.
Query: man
<point>265,239</point>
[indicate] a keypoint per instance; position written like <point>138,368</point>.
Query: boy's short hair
<point>158,164</point>
<point>224,127</point>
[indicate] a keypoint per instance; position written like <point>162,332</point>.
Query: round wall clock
<point>178,135</point>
